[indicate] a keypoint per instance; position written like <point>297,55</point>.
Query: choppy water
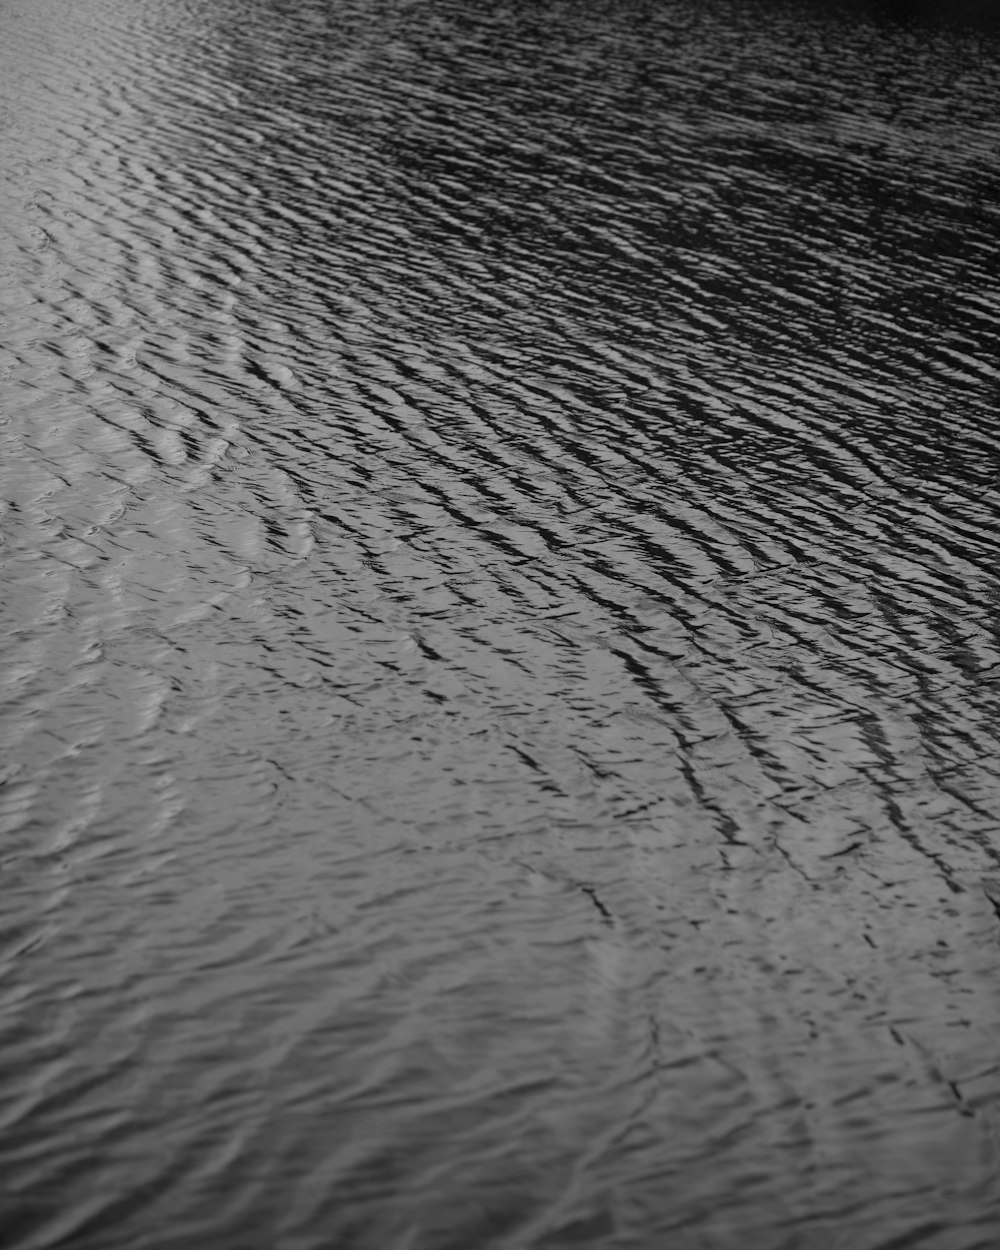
<point>500,642</point>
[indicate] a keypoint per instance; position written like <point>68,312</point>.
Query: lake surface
<point>500,634</point>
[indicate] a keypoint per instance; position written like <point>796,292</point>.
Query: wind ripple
<point>499,654</point>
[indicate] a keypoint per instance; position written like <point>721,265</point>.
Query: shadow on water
<point>500,651</point>
<point>968,14</point>
<point>931,16</point>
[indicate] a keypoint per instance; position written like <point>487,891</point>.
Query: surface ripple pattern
<point>500,650</point>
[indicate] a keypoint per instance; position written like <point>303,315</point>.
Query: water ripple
<point>500,665</point>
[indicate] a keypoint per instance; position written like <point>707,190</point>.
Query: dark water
<point>500,642</point>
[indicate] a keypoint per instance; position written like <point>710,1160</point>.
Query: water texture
<point>500,656</point>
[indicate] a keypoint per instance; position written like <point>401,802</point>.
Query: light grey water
<point>500,645</point>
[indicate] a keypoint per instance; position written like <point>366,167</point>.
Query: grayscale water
<point>501,626</point>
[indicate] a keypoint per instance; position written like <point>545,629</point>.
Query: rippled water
<point>500,626</point>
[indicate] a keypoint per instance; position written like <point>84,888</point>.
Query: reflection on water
<point>500,650</point>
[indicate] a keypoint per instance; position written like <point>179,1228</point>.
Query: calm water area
<point>499,626</point>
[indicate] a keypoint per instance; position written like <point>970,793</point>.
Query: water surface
<point>500,652</point>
